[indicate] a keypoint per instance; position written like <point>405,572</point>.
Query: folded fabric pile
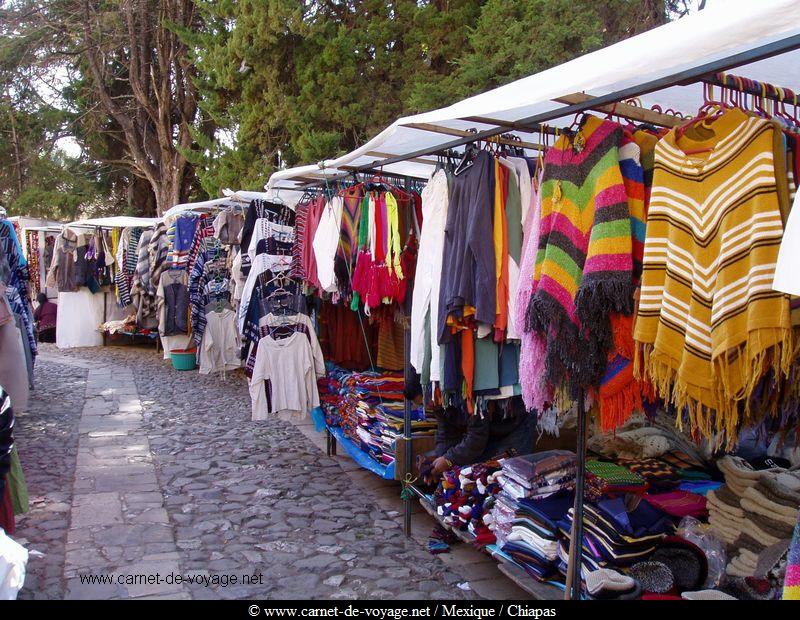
<point>619,531</point>
<point>725,514</point>
<point>369,408</point>
<point>659,475</point>
<point>606,479</point>
<point>538,475</point>
<point>534,495</point>
<point>770,512</point>
<point>739,474</point>
<point>679,504</point>
<point>533,541</point>
<point>461,495</point>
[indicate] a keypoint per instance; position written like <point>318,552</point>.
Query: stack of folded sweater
<point>533,541</point>
<point>725,514</point>
<point>739,474</point>
<point>368,406</point>
<point>461,495</point>
<point>620,531</point>
<point>538,475</point>
<point>770,510</point>
<point>525,513</point>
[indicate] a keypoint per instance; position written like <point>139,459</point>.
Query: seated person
<point>45,317</point>
<point>464,439</point>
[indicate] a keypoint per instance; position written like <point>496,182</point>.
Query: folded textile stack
<point>679,503</point>
<point>620,531</point>
<point>739,474</point>
<point>658,474</point>
<point>770,511</point>
<point>525,482</point>
<point>605,479</point>
<point>461,495</point>
<point>725,514</point>
<point>533,541</point>
<point>538,475</point>
<point>368,406</point>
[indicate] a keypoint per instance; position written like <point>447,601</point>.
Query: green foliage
<point>314,79</point>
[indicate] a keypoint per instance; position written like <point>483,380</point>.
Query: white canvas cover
<point>117,221</point>
<point>718,33</point>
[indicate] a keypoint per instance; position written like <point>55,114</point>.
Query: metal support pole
<point>407,374</point>
<point>575,566</point>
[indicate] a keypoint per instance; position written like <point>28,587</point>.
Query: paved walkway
<point>119,524</point>
<point>160,471</point>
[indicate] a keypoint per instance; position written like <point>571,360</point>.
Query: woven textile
<point>613,474</point>
<point>584,264</point>
<point>791,587</point>
<point>709,323</point>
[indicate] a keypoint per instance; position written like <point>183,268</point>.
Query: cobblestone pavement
<point>172,476</point>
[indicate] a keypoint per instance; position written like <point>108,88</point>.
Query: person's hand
<point>440,465</point>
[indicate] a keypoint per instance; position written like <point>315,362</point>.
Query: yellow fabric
<point>393,243</point>
<point>709,324</point>
<point>498,228</point>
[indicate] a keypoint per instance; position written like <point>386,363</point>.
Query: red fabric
<point>679,503</point>
<point>341,337</point>
<point>308,261</point>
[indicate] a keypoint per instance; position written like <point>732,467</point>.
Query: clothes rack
<point>752,87</point>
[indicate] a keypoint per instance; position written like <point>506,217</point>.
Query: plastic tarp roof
<point>117,221</point>
<point>648,65</point>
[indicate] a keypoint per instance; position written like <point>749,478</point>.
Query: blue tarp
<point>318,417</point>
<point>360,457</point>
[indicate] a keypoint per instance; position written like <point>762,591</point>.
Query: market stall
<point>93,268</point>
<point>649,289</point>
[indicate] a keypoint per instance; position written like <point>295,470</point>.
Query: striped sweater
<point>709,325</point>
<point>584,268</point>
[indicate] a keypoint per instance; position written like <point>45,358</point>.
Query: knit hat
<point>687,561</point>
<point>707,595</point>
<point>654,577</point>
<point>608,579</point>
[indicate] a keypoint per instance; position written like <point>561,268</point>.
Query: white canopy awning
<point>26,222</point>
<point>206,206</point>
<point>117,221</point>
<point>239,197</point>
<point>732,34</point>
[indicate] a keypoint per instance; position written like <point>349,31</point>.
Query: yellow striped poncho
<point>709,324</point>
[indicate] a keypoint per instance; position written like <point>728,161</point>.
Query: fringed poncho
<point>709,325</point>
<point>584,267</point>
